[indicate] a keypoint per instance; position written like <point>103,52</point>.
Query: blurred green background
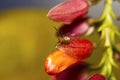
<point>26,38</point>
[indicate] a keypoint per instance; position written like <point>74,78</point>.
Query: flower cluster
<point>67,62</point>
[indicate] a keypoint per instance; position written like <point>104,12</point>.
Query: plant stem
<point>108,31</point>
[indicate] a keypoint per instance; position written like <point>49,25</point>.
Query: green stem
<point>108,30</point>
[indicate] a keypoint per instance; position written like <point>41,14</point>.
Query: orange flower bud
<point>58,61</point>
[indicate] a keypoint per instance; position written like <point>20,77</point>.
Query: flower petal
<point>77,71</point>
<point>68,11</point>
<point>58,61</point>
<point>78,27</point>
<point>78,48</point>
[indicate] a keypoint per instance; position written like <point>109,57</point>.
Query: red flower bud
<point>68,11</point>
<point>58,61</point>
<point>77,47</point>
<point>97,77</point>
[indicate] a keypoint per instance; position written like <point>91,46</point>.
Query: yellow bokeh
<point>27,36</point>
